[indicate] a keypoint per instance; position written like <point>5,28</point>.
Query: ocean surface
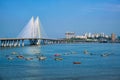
<point>94,66</point>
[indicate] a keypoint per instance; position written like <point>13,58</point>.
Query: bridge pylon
<point>32,30</point>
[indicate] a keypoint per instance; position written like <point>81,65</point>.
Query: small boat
<point>105,54</point>
<point>14,53</point>
<point>58,59</point>
<point>66,53</point>
<point>42,58</point>
<point>56,55</point>
<point>76,62</point>
<point>20,57</point>
<point>73,52</point>
<point>10,58</point>
<point>28,59</point>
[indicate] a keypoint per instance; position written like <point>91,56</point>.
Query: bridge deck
<point>28,39</point>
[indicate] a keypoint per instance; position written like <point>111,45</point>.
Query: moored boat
<point>28,59</point>
<point>76,62</point>
<point>66,53</point>
<point>56,55</point>
<point>105,54</point>
<point>58,59</point>
<point>42,58</point>
<point>10,58</point>
<point>20,57</point>
<point>14,53</point>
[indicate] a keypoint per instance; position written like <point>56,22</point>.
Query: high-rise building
<point>69,35</point>
<point>113,37</point>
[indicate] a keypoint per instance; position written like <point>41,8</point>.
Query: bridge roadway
<point>9,42</point>
<point>28,39</point>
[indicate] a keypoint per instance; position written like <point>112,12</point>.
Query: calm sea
<point>93,66</point>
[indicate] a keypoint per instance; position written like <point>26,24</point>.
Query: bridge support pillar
<point>9,43</point>
<point>19,43</point>
<point>45,41</point>
<point>2,43</point>
<point>54,42</point>
<point>58,42</point>
<point>38,42</point>
<point>5,43</point>
<point>12,42</point>
<point>22,42</point>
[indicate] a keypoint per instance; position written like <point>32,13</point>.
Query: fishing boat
<point>42,58</point>
<point>56,55</point>
<point>28,59</point>
<point>14,53</point>
<point>105,54</point>
<point>10,58</point>
<point>73,52</point>
<point>66,53</point>
<point>58,59</point>
<point>20,57</point>
<point>76,62</point>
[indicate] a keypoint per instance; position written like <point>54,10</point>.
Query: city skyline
<point>60,16</point>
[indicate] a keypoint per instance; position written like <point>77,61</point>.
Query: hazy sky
<point>60,16</point>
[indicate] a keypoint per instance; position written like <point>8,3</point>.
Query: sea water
<point>93,65</point>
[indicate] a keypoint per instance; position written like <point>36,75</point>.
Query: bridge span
<point>13,42</point>
<point>32,32</point>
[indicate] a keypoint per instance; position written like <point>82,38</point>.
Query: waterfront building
<point>106,36</point>
<point>113,37</point>
<point>81,37</point>
<point>70,35</point>
<point>88,35</point>
<point>102,35</point>
<point>96,35</point>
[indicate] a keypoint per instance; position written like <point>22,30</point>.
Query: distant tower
<point>69,35</point>
<point>113,37</point>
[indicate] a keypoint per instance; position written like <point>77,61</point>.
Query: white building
<point>70,35</point>
<point>81,37</point>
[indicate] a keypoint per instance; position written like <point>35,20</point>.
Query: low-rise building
<point>70,35</point>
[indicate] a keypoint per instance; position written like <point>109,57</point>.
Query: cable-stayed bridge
<point>32,32</point>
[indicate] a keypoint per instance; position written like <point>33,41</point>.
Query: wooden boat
<point>10,58</point>
<point>73,52</point>
<point>20,57</point>
<point>14,53</point>
<point>105,54</point>
<point>66,53</point>
<point>76,62</point>
<point>58,59</point>
<point>42,58</point>
<point>28,59</point>
<point>56,55</point>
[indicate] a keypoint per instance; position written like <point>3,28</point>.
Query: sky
<point>60,16</point>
